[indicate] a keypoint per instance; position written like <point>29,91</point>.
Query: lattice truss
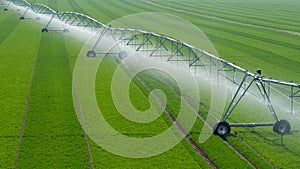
<point>69,18</point>
<point>155,45</point>
<point>243,82</point>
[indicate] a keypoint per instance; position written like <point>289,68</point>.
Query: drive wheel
<point>91,53</point>
<point>282,127</point>
<point>122,55</point>
<point>44,30</point>
<point>221,129</point>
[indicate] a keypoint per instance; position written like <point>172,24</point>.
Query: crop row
<point>52,138</point>
<point>250,48</point>
<point>255,16</point>
<point>263,40</point>
<point>17,58</point>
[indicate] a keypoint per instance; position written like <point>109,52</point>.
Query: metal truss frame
<point>155,45</point>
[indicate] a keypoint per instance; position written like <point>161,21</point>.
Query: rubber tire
<point>122,55</point>
<point>282,127</point>
<point>44,30</point>
<point>222,128</point>
<point>91,53</point>
<point>5,9</point>
<point>22,18</point>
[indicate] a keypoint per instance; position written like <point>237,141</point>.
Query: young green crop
<point>178,157</point>
<point>53,137</point>
<point>17,58</point>
<point>276,53</point>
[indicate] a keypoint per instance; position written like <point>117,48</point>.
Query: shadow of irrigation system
<point>155,45</point>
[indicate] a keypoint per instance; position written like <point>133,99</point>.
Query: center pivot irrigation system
<point>155,45</point>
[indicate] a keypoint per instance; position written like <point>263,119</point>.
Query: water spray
<point>175,51</point>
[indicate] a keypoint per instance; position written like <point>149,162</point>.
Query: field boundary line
<point>26,108</point>
<point>87,147</point>
<point>223,19</point>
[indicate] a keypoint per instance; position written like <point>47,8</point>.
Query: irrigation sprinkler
<point>6,6</point>
<point>18,3</point>
<point>222,127</point>
<point>91,53</point>
<point>78,19</point>
<point>23,16</point>
<point>294,93</point>
<point>176,51</point>
<point>155,45</point>
<point>45,29</point>
<point>122,55</point>
<point>107,30</point>
<point>2,3</point>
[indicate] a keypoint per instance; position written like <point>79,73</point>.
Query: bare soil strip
<point>25,111</point>
<point>87,147</point>
<point>222,19</point>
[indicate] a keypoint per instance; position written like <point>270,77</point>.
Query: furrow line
<point>222,19</point>
<point>227,142</point>
<point>26,110</point>
<point>183,132</point>
<point>257,153</point>
<point>76,7</point>
<point>87,147</point>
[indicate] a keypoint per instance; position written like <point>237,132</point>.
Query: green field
<point>39,127</point>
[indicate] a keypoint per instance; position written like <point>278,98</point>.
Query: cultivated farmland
<point>39,127</point>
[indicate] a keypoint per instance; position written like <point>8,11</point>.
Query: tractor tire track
<point>222,19</point>
<point>230,145</point>
<point>195,146</point>
<point>87,147</point>
<point>257,153</point>
<point>226,141</point>
<point>26,110</point>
